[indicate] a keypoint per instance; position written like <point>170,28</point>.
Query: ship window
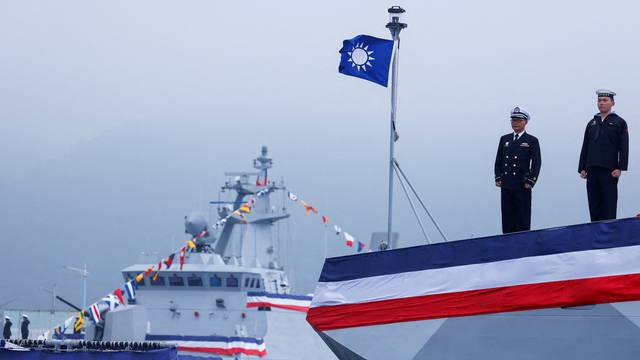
<point>215,281</point>
<point>253,280</point>
<point>176,281</point>
<point>232,282</point>
<point>257,283</point>
<point>194,280</point>
<point>246,282</point>
<point>159,281</point>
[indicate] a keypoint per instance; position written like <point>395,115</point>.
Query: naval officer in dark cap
<point>604,155</point>
<point>516,169</point>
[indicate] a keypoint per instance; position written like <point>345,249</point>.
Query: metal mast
<point>395,26</point>
<point>83,273</point>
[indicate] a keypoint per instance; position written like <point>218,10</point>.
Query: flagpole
<point>395,26</point>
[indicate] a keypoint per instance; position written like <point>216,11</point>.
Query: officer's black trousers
<point>602,192</point>
<point>516,210</point>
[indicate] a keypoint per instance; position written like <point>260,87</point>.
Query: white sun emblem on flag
<point>360,57</point>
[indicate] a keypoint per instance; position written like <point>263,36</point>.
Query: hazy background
<point>118,118</point>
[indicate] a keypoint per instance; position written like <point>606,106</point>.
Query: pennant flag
<point>183,250</point>
<point>245,208</point>
<point>67,324</point>
<point>308,208</point>
<point>169,260</point>
<point>130,290</point>
<point>366,57</point>
<point>325,219</point>
<point>292,196</point>
<point>118,294</point>
<point>155,276</point>
<point>258,182</point>
<point>149,270</point>
<point>79,324</point>
<point>262,192</point>
<point>237,213</point>
<point>94,312</point>
<point>337,229</point>
<point>361,246</point>
<point>139,277</point>
<point>111,301</point>
<point>252,201</point>
<point>203,233</point>
<point>349,239</point>
<point>57,332</point>
<point>266,181</point>
<point>191,244</point>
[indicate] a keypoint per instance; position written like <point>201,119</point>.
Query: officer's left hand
<point>527,186</point>
<point>616,173</point>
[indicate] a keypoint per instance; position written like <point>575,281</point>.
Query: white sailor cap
<point>520,113</point>
<point>25,316</point>
<point>7,318</point>
<point>605,93</point>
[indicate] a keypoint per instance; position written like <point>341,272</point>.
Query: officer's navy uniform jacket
<point>24,328</point>
<point>517,162</point>
<point>605,148</point>
<point>6,332</point>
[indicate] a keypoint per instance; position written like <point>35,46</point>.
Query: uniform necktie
<point>516,137</point>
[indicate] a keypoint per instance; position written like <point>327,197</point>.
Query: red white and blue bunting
<point>282,301</point>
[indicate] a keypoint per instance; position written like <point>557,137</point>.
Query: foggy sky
<point>118,118</point>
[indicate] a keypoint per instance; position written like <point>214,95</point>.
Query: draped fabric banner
<point>219,345</point>
<point>575,265</point>
<point>283,301</point>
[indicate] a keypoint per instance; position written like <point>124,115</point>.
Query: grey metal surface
<point>599,332</point>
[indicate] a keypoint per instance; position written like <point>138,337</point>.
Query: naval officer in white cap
<point>604,155</point>
<point>516,168</point>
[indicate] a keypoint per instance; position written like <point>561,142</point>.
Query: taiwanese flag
<point>148,272</point>
<point>169,260</point>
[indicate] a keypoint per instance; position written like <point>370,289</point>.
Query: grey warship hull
<point>598,332</point>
